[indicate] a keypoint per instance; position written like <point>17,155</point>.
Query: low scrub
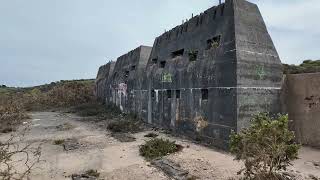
<point>308,66</point>
<point>125,126</point>
<point>11,115</point>
<point>267,147</point>
<point>156,148</point>
<point>96,109</point>
<point>127,123</point>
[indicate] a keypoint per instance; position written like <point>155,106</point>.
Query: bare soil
<point>92,147</point>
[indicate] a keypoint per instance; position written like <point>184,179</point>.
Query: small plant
<point>266,147</point>
<point>59,141</point>
<point>156,148</point>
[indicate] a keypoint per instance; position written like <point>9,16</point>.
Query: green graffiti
<point>166,77</point>
<point>260,72</point>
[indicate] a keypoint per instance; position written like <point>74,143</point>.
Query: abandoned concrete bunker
<point>204,78</point>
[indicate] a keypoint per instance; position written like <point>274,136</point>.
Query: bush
<point>266,147</point>
<point>156,148</point>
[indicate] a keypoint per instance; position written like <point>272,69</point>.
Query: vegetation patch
<point>267,147</point>
<point>128,124</point>
<point>59,142</point>
<point>96,109</point>
<point>156,148</point>
<point>308,66</point>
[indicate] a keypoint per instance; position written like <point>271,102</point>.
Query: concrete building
<point>203,78</point>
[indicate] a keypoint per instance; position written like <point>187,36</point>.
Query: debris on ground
<point>88,175</point>
<point>71,144</point>
<point>123,137</point>
<point>64,127</point>
<point>151,135</point>
<point>172,169</point>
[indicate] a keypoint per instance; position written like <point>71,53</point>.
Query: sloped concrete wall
<point>259,69</point>
<point>301,95</point>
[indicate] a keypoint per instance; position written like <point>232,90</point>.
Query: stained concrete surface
<point>116,160</point>
<point>301,99</point>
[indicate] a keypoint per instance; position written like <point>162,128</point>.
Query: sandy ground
<point>117,160</point>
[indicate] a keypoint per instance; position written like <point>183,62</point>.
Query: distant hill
<point>44,87</point>
<point>308,66</point>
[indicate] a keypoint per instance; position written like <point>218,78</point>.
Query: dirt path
<point>116,160</point>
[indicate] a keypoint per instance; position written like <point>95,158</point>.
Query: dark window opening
<point>215,14</point>
<point>178,94</point>
<point>177,53</point>
<point>222,10</point>
<point>127,73</point>
<point>193,55</point>
<point>133,68</point>
<point>169,94</point>
<point>155,60</point>
<point>153,93</point>
<point>204,94</point>
<point>214,42</point>
<point>162,64</point>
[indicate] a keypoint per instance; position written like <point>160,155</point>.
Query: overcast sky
<point>49,40</point>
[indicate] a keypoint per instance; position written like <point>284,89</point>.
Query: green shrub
<point>156,148</point>
<point>266,147</point>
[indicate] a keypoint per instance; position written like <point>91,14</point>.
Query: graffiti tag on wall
<point>166,77</point>
<point>122,88</point>
<point>260,72</point>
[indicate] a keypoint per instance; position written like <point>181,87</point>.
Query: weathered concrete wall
<point>301,95</point>
<point>126,78</point>
<point>203,78</point>
<point>102,79</point>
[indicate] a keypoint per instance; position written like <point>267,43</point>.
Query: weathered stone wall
<point>301,99</point>
<point>203,78</point>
